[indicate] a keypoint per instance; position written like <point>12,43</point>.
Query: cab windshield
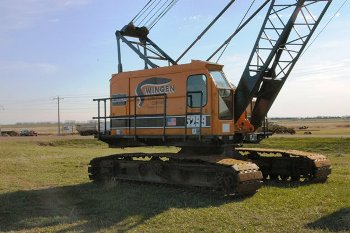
<point>225,95</point>
<point>220,79</point>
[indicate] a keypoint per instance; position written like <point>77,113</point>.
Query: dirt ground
<point>317,127</point>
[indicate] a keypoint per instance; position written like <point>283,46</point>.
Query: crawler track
<point>290,165</point>
<point>221,174</point>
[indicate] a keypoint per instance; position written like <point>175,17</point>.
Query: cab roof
<point>195,65</point>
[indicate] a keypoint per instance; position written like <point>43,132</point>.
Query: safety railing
<point>129,116</point>
<point>102,115</point>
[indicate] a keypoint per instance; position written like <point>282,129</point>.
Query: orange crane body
<point>174,82</point>
<point>195,108</point>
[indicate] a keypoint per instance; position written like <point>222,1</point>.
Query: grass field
<point>44,188</point>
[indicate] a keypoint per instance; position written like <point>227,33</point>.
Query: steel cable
<point>140,14</point>
<point>228,42</point>
<point>163,13</point>
<point>324,27</point>
<point>152,12</point>
<point>145,18</point>
<point>156,12</point>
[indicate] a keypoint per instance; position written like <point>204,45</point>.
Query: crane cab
<point>174,105</point>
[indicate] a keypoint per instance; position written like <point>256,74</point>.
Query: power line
<point>45,100</point>
<point>85,97</point>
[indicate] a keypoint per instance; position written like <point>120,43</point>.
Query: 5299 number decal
<point>194,121</point>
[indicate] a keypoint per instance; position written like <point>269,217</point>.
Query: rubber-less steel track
<point>219,173</point>
<point>291,165</point>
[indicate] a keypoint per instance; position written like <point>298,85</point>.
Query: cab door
<point>222,104</point>
<point>198,108</point>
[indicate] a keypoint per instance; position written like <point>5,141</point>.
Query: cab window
<point>225,95</point>
<point>196,88</point>
<point>225,104</point>
<point>220,80</point>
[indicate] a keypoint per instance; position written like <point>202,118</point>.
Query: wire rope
<point>228,42</point>
<point>324,27</point>
<point>156,12</point>
<point>150,3</point>
<point>139,14</point>
<point>150,12</point>
<point>162,15</point>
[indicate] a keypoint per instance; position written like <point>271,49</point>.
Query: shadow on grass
<point>335,222</point>
<point>288,184</point>
<point>91,207</point>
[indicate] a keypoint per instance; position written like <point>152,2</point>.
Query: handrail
<point>129,97</point>
<point>98,121</point>
<point>135,137</point>
<point>164,115</point>
<point>99,117</point>
<point>105,112</point>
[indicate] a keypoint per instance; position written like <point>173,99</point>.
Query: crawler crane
<point>194,107</point>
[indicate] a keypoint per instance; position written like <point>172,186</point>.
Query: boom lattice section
<point>286,31</point>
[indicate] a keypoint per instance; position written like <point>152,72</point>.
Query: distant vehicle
<point>27,132</point>
<point>303,127</point>
<point>9,133</point>
<point>86,129</point>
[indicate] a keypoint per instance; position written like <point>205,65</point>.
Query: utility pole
<point>1,109</point>
<point>58,114</point>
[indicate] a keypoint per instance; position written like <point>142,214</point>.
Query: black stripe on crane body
<point>264,76</point>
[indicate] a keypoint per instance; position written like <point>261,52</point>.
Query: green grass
<point>44,188</point>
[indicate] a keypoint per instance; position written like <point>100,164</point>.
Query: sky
<point>67,48</point>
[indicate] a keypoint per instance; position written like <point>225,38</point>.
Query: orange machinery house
<point>174,104</point>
